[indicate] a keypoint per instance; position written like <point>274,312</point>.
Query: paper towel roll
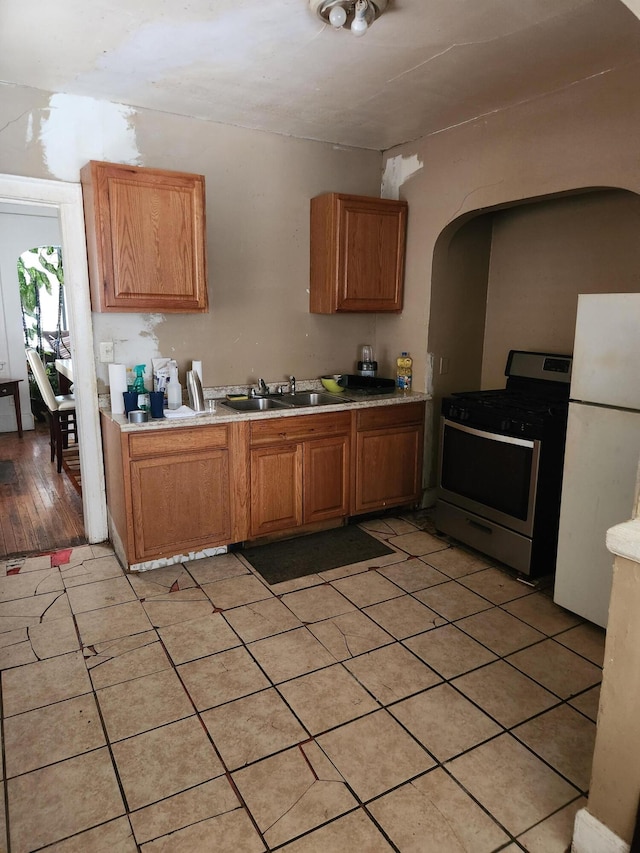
<point>117,384</point>
<point>197,366</point>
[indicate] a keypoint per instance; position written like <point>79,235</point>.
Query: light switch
<point>106,352</point>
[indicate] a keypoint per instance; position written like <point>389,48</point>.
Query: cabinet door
<point>326,479</point>
<point>371,253</point>
<point>357,253</point>
<point>276,488</point>
<point>180,503</point>
<point>389,467</point>
<point>145,238</point>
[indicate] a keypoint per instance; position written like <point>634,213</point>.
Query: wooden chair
<point>61,409</point>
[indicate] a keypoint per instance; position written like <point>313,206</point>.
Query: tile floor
<point>425,701</point>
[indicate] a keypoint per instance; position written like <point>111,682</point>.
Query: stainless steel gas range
<point>500,463</point>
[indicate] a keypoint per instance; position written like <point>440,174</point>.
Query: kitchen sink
<point>298,400</point>
<point>312,398</point>
<point>256,404</point>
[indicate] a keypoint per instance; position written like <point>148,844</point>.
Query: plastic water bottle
<point>404,365</point>
<point>174,393</point>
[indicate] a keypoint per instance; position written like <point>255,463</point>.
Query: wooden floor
<point>40,510</point>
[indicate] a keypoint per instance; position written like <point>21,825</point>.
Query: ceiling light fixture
<point>359,14</point>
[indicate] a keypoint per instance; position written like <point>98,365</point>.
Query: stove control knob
<point>459,413</point>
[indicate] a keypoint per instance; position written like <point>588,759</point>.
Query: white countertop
<point>223,414</point>
<point>623,540</point>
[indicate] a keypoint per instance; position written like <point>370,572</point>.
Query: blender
<point>366,365</point>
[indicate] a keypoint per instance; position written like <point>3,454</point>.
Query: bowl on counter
<point>330,382</point>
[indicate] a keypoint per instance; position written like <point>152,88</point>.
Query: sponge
<point>237,397</point>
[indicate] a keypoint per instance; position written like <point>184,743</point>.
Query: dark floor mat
<point>7,472</point>
<point>317,552</point>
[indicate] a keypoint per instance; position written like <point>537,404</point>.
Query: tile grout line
<point>382,706</point>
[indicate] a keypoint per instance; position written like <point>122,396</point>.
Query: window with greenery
<point>44,316</point>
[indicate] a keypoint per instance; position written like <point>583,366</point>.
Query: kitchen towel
<point>117,386</point>
<point>180,412</point>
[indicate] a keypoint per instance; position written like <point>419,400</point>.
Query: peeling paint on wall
<point>135,340</point>
<point>397,170</point>
<point>80,129</point>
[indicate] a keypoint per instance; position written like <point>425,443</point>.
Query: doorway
<point>67,200</point>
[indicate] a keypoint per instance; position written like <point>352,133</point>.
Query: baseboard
<point>591,836</point>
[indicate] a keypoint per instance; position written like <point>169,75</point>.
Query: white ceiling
<point>425,65</point>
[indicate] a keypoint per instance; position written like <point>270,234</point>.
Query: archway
<point>508,277</point>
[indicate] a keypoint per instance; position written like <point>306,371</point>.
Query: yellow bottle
<point>404,365</point>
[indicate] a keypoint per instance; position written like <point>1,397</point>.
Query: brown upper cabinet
<point>145,238</point>
<point>357,253</point>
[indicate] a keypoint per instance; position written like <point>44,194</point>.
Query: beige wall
<point>456,321</point>
<point>542,256</point>
<point>581,137</point>
<point>258,188</point>
<point>615,778</point>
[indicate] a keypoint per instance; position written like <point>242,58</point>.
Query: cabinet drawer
<point>177,440</point>
<point>279,430</point>
<point>390,416</point>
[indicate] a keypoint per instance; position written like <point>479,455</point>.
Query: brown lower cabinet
<point>171,491</point>
<point>388,453</point>
<point>175,490</point>
<point>299,471</point>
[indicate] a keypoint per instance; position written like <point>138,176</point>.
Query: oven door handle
<point>491,436</point>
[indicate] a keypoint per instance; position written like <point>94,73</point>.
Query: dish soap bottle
<point>404,367</point>
<point>138,387</point>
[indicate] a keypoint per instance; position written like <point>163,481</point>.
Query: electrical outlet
<point>106,352</point>
<point>444,365</point>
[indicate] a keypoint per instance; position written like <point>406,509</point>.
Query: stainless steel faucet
<point>292,384</point>
<point>263,387</point>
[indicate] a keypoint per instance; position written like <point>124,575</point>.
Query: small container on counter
<point>130,399</point>
<point>404,371</point>
<point>194,390</point>
<point>156,399</point>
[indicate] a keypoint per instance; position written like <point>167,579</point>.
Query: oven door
<point>490,474</point>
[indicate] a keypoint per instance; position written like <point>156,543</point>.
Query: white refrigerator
<point>602,449</point>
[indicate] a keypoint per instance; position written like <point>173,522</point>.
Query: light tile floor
<point>425,701</point>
